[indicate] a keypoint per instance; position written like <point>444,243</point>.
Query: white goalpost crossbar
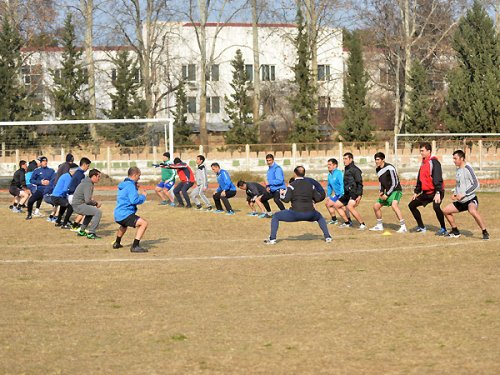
<point>471,135</point>
<point>168,125</point>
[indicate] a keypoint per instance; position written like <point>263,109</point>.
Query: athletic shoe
<point>199,207</point>
<point>189,206</point>
<point>362,226</point>
<point>138,249</point>
<point>265,216</point>
<point>11,207</point>
<point>93,236</point>
<point>421,229</point>
<point>51,219</point>
<point>455,233</point>
<point>402,229</point>
<point>345,225</point>
<point>117,245</point>
<point>333,222</point>
<point>17,210</point>
<point>81,233</point>
<point>37,213</point>
<point>172,204</point>
<point>163,203</point>
<point>219,211</point>
<point>66,226</point>
<point>29,217</point>
<point>328,239</point>
<point>209,208</point>
<point>75,228</point>
<point>442,232</point>
<point>179,205</point>
<point>253,214</point>
<point>377,228</point>
<point>486,236</point>
<point>58,224</point>
<point>230,212</point>
<point>270,242</point>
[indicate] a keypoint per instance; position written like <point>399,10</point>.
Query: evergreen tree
<point>356,125</point>
<point>417,119</point>
<point>16,102</point>
<point>303,102</point>
<point>70,89</point>
<point>182,130</point>
<point>239,106</point>
<point>473,101</point>
<point>126,104</point>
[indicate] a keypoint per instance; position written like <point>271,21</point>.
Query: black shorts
<point>14,191</point>
<point>464,206</point>
<point>344,199</point>
<point>425,199</point>
<point>129,221</point>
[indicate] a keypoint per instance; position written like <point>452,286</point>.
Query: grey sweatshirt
<point>201,176</point>
<point>467,183</point>
<point>83,193</point>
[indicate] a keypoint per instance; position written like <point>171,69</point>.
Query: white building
<point>180,57</point>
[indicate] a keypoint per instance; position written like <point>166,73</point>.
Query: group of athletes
<point>70,192</point>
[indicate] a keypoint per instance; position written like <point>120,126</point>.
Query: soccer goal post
<point>477,137</point>
<point>25,134</point>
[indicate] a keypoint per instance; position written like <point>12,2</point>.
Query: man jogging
<point>301,194</point>
<point>84,204</point>
<point>390,192</point>
<point>429,189</point>
<point>464,197</point>
<point>127,200</point>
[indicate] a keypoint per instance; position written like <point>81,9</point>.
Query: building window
<point>213,104</point>
<point>268,72</point>
<point>189,72</point>
<point>85,72</point>
<point>58,74</point>
<point>324,102</point>
<point>213,73</point>
<point>191,104</point>
<point>32,78</point>
<point>323,72</point>
<point>249,72</point>
<point>113,75</point>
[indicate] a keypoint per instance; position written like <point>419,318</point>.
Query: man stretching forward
<point>126,207</point>
<point>390,192</point>
<point>429,189</point>
<point>302,194</point>
<point>464,198</point>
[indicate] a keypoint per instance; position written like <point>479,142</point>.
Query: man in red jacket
<point>186,177</point>
<point>429,189</point>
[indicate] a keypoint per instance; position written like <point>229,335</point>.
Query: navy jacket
<point>41,174</point>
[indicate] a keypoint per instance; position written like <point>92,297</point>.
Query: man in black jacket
<point>18,188</point>
<point>257,195</point>
<point>302,194</point>
<point>353,191</point>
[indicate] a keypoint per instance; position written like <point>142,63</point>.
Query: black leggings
<point>413,206</point>
<point>37,197</point>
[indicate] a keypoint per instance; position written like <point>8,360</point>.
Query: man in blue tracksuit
<point>43,178</point>
<point>225,190</point>
<point>302,194</point>
<point>127,200</point>
<point>275,180</point>
<point>60,193</point>
<point>335,188</point>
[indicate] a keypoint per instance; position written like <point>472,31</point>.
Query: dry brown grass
<point>211,298</point>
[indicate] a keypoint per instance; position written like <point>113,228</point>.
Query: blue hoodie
<point>127,199</point>
<point>61,189</point>
<point>224,181</point>
<point>335,182</point>
<point>40,174</point>
<point>78,177</point>
<point>275,178</point>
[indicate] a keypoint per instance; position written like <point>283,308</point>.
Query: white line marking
<point>328,252</point>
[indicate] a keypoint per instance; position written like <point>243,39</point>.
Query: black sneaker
<point>58,224</point>
<point>179,205</point>
<point>66,226</point>
<point>486,235</point>
<point>199,207</point>
<point>454,234</point>
<point>138,249</point>
<point>117,245</point>
<point>29,217</point>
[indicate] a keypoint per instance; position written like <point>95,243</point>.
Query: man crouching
<point>126,206</point>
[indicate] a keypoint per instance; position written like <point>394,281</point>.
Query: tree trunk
<point>203,68</point>
<point>407,42</point>
<point>397,97</point>
<point>87,7</point>
<point>256,65</point>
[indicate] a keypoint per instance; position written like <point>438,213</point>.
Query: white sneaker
<point>37,213</point>
<point>345,225</point>
<point>270,242</point>
<point>377,228</point>
<point>362,227</point>
<point>328,239</point>
<point>402,229</point>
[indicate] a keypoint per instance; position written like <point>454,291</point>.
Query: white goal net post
<point>476,137</point>
<point>168,126</point>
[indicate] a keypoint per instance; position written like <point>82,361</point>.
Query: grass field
<point>211,298</point>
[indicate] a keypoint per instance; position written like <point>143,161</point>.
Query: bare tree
<point>256,63</point>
